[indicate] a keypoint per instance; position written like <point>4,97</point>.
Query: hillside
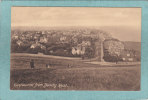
<point>132,45</point>
<point>70,41</point>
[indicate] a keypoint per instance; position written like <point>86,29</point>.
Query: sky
<point>122,23</point>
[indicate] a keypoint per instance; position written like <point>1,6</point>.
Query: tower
<point>99,53</point>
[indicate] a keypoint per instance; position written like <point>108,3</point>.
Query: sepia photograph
<point>75,48</point>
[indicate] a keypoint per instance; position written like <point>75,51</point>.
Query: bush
<point>111,58</point>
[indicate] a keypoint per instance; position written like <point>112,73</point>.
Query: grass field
<point>77,76</point>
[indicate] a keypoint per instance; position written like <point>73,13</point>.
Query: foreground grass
<point>80,76</point>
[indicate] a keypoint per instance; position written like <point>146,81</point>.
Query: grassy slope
<point>78,77</point>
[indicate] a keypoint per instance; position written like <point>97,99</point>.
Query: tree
<point>89,52</point>
<point>112,50</point>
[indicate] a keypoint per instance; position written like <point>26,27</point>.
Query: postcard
<point>75,48</point>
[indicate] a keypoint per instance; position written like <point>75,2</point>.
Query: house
<point>19,42</point>
<point>34,45</point>
<point>74,51</point>
<point>128,56</point>
<point>43,40</point>
<point>15,37</point>
<point>78,50</point>
<point>63,38</point>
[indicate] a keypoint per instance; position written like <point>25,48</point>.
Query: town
<point>85,43</point>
